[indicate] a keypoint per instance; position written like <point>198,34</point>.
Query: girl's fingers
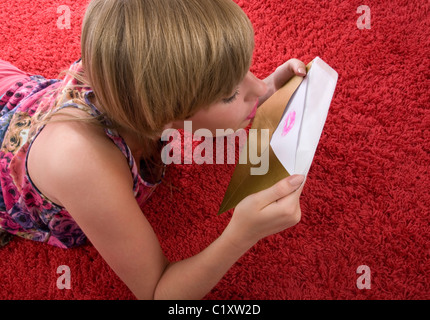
<point>298,67</point>
<point>286,71</point>
<point>280,190</point>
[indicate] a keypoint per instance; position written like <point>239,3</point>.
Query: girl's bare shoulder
<point>71,154</point>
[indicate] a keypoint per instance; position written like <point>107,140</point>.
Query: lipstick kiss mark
<point>289,123</point>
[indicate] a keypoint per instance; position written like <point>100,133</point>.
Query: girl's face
<point>233,112</point>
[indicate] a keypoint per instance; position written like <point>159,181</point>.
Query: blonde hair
<point>150,62</point>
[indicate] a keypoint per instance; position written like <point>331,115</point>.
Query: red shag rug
<point>366,200</point>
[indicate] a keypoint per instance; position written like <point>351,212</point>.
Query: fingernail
<point>301,70</point>
<point>296,180</point>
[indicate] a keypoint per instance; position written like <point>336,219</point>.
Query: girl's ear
<point>178,124</point>
<point>168,126</point>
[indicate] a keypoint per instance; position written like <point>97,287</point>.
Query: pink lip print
<point>289,123</point>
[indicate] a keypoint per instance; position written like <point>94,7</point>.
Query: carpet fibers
<point>366,200</point>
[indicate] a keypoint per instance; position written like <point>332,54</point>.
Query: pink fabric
<point>9,75</point>
<point>24,211</point>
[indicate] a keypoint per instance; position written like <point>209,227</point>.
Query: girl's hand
<point>267,212</point>
<point>281,75</point>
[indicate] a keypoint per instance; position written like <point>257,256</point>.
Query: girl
<point>81,155</point>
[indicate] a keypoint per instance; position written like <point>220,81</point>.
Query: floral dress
<point>24,210</point>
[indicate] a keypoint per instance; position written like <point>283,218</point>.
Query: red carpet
<point>366,201</point>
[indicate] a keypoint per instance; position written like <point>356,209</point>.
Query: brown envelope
<point>268,116</point>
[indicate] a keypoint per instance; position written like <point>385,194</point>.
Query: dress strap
<point>90,108</point>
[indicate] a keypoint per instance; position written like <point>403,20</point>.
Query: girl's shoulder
<point>76,154</point>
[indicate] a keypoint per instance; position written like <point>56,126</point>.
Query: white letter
<point>264,168</point>
<point>213,309</point>
<point>188,142</point>
<point>255,309</point>
<point>363,20</point>
<point>174,145</point>
<point>221,134</point>
<point>63,282</point>
<point>207,145</point>
<point>219,142</point>
<point>363,281</point>
<point>231,146</point>
<point>65,17</point>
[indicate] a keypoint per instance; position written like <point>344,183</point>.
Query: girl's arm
<point>257,216</point>
<point>91,179</point>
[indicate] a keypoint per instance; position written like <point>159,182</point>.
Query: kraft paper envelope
<point>294,117</point>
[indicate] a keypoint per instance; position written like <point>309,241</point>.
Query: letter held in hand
<point>295,116</point>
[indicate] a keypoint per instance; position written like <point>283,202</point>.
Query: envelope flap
<point>322,84</point>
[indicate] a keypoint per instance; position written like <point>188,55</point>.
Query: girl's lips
<point>253,112</point>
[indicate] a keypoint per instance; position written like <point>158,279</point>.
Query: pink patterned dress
<point>24,210</point>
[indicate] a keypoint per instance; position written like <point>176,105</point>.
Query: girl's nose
<point>258,87</point>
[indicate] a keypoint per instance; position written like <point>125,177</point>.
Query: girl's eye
<point>232,98</point>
